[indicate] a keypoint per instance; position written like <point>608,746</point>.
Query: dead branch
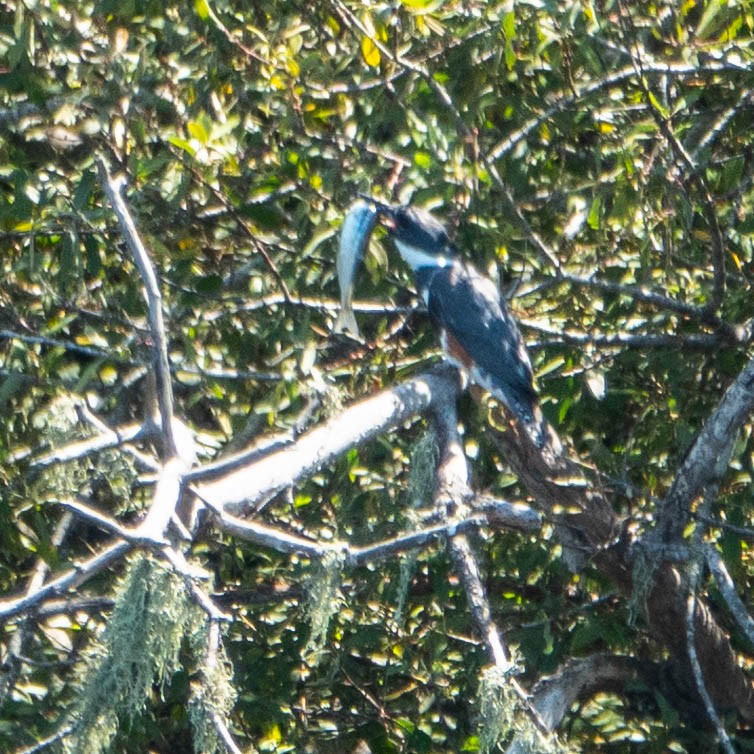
<point>577,680</point>
<point>707,459</point>
<point>113,189</point>
<point>247,488</point>
<point>69,579</point>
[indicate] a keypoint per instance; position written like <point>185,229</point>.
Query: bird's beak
<point>385,212</point>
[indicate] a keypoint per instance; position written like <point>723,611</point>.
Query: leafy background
<point>245,130</point>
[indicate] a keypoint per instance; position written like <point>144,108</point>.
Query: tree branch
<point>579,679</point>
<point>707,459</point>
<point>113,188</point>
<point>727,588</point>
<point>251,486</point>
<point>453,495</point>
<point>69,579</point>
<point>696,668</point>
<point>588,525</point>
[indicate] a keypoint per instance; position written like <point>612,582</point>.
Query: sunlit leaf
<point>202,9</point>
<point>370,52</point>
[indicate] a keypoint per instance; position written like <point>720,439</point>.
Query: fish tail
<point>346,321</point>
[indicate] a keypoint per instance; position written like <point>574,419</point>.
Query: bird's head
<point>420,238</point>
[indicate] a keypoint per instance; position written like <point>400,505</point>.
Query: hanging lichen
<point>502,718</point>
<point>104,477</point>
<point>324,599</point>
<point>421,488</point>
<point>497,708</point>
<point>212,698</point>
<point>139,648</point>
<point>643,577</point>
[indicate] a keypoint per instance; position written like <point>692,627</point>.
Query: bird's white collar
<point>418,258</point>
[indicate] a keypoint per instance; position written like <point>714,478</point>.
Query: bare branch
<point>174,557</point>
<point>94,516</point>
<point>696,668</point>
<point>728,590</point>
<point>453,493</point>
<point>113,188</point>
<point>494,512</point>
<point>578,679</point>
<point>250,486</point>
<point>707,459</point>
<point>15,646</point>
<point>647,296</point>
<point>69,579</point>
<point>690,341</point>
<point>50,741</point>
<point>272,537</point>
<point>82,448</point>
<point>167,494</point>
<point>717,127</point>
<point>55,343</point>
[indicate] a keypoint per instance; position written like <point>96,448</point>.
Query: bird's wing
<point>470,309</point>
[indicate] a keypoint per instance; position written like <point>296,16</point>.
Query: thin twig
<point>15,646</point>
<point>562,101</point>
<point>685,160</point>
<point>258,245</point>
<point>69,579</point>
<point>232,38</point>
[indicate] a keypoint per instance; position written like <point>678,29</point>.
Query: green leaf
<point>202,9</point>
<point>594,218</point>
<point>370,52</point>
<point>84,190</point>
<point>183,144</point>
<point>12,384</point>
<point>198,130</point>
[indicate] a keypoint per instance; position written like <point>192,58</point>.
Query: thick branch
<point>707,459</point>
<point>588,525</point>
<point>250,486</point>
<point>578,680</point>
<point>453,492</point>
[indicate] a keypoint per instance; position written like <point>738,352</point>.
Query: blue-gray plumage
<point>477,332</point>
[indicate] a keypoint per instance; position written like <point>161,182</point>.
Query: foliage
<point>245,129</point>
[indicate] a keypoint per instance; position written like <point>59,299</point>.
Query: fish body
<point>354,236</point>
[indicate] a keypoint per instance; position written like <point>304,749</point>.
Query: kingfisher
<point>477,332</point>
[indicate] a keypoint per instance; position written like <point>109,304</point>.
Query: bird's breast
<point>455,352</point>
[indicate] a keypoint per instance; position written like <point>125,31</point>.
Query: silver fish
<point>354,236</point>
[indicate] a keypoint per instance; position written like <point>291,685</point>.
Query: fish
<point>355,232</point>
